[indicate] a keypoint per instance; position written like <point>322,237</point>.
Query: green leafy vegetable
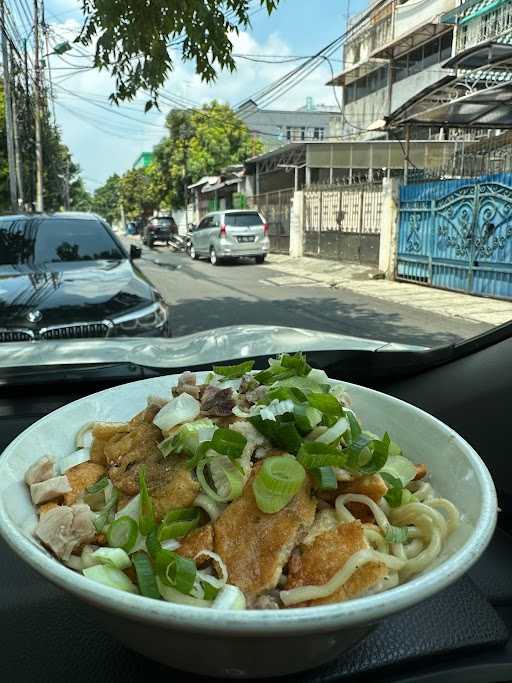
<point>326,403</point>
<point>313,455</point>
<point>367,454</point>
<point>296,362</point>
<point>228,442</point>
<point>176,571</point>
<point>234,371</point>
<point>394,493</point>
<point>324,479</point>
<point>108,511</point>
<point>147,520</point>
<point>306,417</point>
<point>145,575</point>
<point>122,533</point>
<point>278,480</point>
<point>282,433</point>
<point>98,486</point>
<point>152,543</point>
<point>177,523</point>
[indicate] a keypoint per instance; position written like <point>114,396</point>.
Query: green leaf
<point>313,455</point>
<point>394,493</point>
<point>324,479</point>
<point>234,371</point>
<point>326,403</point>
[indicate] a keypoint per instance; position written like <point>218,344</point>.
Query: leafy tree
<point>201,142</point>
<point>137,193</point>
<point>4,169</point>
<point>106,200</point>
<point>134,40</point>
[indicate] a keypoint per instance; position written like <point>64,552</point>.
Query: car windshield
<point>38,241</point>
<point>238,184</point>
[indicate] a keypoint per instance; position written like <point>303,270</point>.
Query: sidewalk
<point>358,279</point>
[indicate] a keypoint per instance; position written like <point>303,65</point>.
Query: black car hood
<point>71,292</point>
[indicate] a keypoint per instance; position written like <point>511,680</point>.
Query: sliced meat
<point>41,470</point>
<point>248,383</point>
<point>266,602</point>
<point>80,477</point>
<point>257,394</point>
<point>255,546</point>
<point>49,489</point>
<point>195,541</point>
<point>187,385</point>
<point>216,401</point>
<point>328,553</point>
<point>421,471</point>
<point>64,528</point>
<point>46,507</point>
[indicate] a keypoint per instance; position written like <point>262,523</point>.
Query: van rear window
<point>243,220</point>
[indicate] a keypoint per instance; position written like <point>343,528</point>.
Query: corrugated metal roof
<point>470,10</point>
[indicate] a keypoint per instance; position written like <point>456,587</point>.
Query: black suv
<point>159,229</point>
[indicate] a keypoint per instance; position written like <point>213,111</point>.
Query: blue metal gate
<point>457,234</point>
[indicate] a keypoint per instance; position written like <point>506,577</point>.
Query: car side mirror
<point>135,252</point>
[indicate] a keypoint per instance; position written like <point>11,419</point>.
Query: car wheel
<point>151,242</point>
<point>260,259</point>
<point>214,259</point>
<point>193,253</point>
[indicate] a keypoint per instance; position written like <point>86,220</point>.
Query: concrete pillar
<point>389,227</point>
<point>297,225</point>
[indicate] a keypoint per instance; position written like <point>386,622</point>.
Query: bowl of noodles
<point>266,520</point>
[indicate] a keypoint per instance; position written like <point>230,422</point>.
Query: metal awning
<point>444,90</point>
<point>484,54</point>
<point>470,10</point>
<point>356,71</point>
<point>486,108</point>
<point>405,42</point>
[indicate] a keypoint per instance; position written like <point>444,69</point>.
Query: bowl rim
<point>318,619</point>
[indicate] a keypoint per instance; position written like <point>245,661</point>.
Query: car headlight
<point>145,319</point>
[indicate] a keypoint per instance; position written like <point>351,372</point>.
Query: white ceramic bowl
<point>252,643</point>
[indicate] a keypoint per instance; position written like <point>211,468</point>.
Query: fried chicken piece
<point>106,433</point>
<point>80,477</point>
<point>421,471</point>
<point>325,520</point>
<point>254,545</point>
<point>328,553</point>
<point>372,485</point>
<point>195,541</point>
<point>171,485</point>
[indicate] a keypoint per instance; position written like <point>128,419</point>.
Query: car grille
<point>76,331</point>
<point>15,335</point>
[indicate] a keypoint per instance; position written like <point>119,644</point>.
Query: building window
<point>433,52</point>
<point>295,133</point>
<point>366,85</point>
<point>318,133</point>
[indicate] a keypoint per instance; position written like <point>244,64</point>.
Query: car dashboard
<point>461,634</point>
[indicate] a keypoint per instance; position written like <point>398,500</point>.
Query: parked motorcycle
<point>178,242</point>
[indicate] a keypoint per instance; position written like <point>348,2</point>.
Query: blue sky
<point>104,140</point>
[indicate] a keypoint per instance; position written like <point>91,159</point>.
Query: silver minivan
<point>230,234</point>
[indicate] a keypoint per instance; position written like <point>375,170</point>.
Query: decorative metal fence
<point>457,234</point>
<point>276,208</point>
<point>342,222</point>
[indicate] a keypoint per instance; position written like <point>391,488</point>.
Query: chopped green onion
<point>281,434</point>
<point>394,493</point>
<point>199,455</point>
<point>278,480</point>
<point>313,454</point>
<point>109,576</point>
<point>332,434</point>
<point>367,454</point>
<point>284,394</point>
<point>329,421</point>
<point>122,533</point>
<point>226,476</point>
<point>177,523</point>
<point>112,557</point>
<point>152,543</point>
<point>229,597</point>
<point>326,403</point>
<point>145,575</point>
<point>98,486</point>
<point>324,478</point>
<point>170,594</point>
<point>305,385</point>
<point>234,371</point>
<point>176,571</point>
<point>228,442</point>
<point>188,438</point>
<point>408,497</point>
<point>400,467</point>
<point>96,501</point>
<point>273,374</point>
<point>396,534</point>
<point>183,408</point>
<point>296,362</point>
<point>107,512</point>
<point>210,592</point>
<point>306,417</point>
<point>355,427</point>
<point>147,520</point>
<point>319,376</point>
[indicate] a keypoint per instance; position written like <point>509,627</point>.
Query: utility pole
<point>37,106</point>
<point>8,114</point>
<point>17,150</point>
<point>28,132</point>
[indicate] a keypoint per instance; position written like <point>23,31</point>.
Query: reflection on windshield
<point>35,241</point>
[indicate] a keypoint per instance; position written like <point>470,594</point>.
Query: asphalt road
<point>203,297</point>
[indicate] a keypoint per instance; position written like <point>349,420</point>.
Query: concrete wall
<point>404,89</point>
<point>389,227</point>
<point>364,111</point>
<point>418,12</point>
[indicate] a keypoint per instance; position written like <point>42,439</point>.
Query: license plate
<point>246,238</point>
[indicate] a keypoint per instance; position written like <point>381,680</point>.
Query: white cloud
<point>103,142</point>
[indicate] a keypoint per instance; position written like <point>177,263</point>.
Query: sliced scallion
<point>396,534</point>
<point>147,520</point>
<point>313,455</point>
<point>112,557</point>
<point>109,576</point>
<point>226,476</point>
<point>234,371</point>
<point>395,488</point>
<point>306,417</point>
<point>177,523</point>
<point>278,480</point>
<point>145,575</point>
<point>98,486</point>
<point>326,403</point>
<point>229,597</point>
<point>228,442</point>
<point>107,512</point>
<point>281,434</point>
<point>324,478</point>
<point>122,533</point>
<point>335,432</point>
<point>152,543</point>
<point>176,571</point>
